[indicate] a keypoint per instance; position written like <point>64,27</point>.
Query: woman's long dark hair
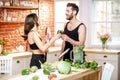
<point>30,21</point>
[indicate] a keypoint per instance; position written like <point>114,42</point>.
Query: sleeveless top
<point>34,46</point>
<point>73,35</point>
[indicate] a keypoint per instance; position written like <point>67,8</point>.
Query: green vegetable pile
<point>65,67</point>
<point>74,66</point>
<point>33,69</point>
<point>47,68</point>
<point>92,65</point>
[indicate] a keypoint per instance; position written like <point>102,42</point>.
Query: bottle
<point>11,2</point>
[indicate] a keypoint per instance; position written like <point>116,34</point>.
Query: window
<point>60,17</point>
<point>106,18</point>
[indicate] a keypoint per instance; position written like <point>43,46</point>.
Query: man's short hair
<point>74,7</point>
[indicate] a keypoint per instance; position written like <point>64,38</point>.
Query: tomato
<point>51,76</point>
<point>54,75</point>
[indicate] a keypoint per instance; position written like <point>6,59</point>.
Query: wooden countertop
<point>72,76</point>
<point>24,54</point>
<point>97,51</point>
<point>82,73</point>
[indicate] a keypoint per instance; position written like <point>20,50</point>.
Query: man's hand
<point>64,37</point>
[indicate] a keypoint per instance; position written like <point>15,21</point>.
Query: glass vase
<point>103,40</point>
<point>103,46</point>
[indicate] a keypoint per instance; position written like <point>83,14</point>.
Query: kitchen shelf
<point>7,22</point>
<point>15,8</point>
<point>18,7</point>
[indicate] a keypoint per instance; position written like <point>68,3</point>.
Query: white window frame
<point>110,45</point>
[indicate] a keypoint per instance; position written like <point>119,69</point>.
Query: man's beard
<point>70,17</point>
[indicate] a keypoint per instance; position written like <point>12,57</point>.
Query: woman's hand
<point>57,36</point>
<point>60,58</point>
<point>47,51</point>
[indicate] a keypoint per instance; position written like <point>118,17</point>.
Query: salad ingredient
<point>46,71</point>
<point>36,77</point>
<point>92,65</point>
<point>47,68</point>
<point>70,62</point>
<point>64,67</point>
<point>25,72</point>
<point>33,69</point>
<point>51,76</point>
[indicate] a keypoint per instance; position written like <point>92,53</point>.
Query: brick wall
<point>13,31</point>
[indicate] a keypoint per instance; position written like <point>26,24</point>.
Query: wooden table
<point>83,74</point>
<point>87,74</point>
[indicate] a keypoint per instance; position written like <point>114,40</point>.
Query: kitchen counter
<point>100,51</point>
<point>54,49</point>
<point>105,56</point>
<point>83,73</point>
<point>22,60</point>
<point>24,54</point>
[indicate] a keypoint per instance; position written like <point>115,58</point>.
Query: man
<point>74,31</point>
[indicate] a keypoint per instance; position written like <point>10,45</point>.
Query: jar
<point>15,3</point>
<point>1,3</point>
<point>78,54</point>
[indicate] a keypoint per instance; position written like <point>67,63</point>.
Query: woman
<point>35,41</point>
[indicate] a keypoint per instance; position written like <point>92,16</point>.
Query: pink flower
<point>103,35</point>
<point>103,38</point>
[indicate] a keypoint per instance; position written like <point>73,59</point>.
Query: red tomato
<point>54,75</point>
<point>51,76</point>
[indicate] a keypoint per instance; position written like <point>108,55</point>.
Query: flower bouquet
<point>104,39</point>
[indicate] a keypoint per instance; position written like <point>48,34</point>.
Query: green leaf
<point>1,42</point>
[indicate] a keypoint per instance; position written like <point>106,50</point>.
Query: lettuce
<point>64,67</point>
